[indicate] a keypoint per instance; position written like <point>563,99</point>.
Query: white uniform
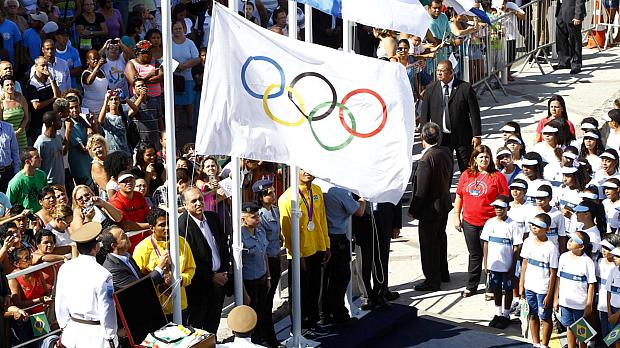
<point>603,269</point>
<point>574,275</point>
<point>84,291</point>
<point>599,178</point>
<point>612,214</point>
<point>541,258</point>
<point>501,236</point>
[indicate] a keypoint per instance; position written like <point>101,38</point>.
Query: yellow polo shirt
<point>310,242</point>
<point>145,256</point>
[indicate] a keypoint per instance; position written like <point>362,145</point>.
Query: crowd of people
<point>82,177</point>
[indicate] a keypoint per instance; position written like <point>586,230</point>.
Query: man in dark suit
<point>568,17</point>
<point>119,262</point>
<point>453,105</point>
<point>202,230</point>
<point>431,204</point>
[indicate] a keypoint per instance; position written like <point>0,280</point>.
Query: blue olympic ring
<point>268,60</point>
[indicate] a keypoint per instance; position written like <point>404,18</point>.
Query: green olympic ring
<point>327,147</point>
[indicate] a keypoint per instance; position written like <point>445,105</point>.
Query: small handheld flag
<point>582,330</point>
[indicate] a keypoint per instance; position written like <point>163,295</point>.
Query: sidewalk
<point>587,94</point>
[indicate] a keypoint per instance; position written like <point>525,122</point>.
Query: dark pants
<point>463,152</point>
<point>434,249</point>
<point>257,291</point>
<point>275,271</point>
<point>474,247</point>
<point>310,289</point>
<point>336,279</point>
<point>568,43</point>
<point>375,258</point>
<point>6,174</point>
<point>206,315</point>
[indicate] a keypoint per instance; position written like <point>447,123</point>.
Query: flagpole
<point>308,23</point>
<point>171,158</point>
<point>237,244</point>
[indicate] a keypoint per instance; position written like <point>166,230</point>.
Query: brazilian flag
<point>582,330</point>
<point>40,325</point>
<point>612,336</point>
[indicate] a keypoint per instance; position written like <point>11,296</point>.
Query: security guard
<point>84,306</point>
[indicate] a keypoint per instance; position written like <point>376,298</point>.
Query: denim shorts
<point>568,315</point>
<point>535,301</point>
<point>606,326</point>
<point>500,281</point>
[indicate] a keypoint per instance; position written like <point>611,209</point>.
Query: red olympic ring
<point>383,106</point>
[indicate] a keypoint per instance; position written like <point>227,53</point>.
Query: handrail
<point>31,269</point>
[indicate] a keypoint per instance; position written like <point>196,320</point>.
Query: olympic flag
<point>408,16</point>
<point>345,118</point>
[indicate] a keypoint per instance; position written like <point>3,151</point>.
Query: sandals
<point>468,293</point>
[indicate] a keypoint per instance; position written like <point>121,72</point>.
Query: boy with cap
<point>603,268</point>
<point>538,274</point>
<point>241,321</point>
<point>557,228</point>
<point>84,307</point>
<point>612,203</point>
<point>501,240</point>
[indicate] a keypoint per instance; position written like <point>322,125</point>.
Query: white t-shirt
<point>567,198</point>
<point>547,153</point>
<point>501,236</point>
<point>613,140</point>
<point>114,71</point>
<point>600,176</point>
<point>541,257</point>
<point>613,285</point>
<point>520,215</point>
<point>557,228</point>
<point>62,238</point>
<point>532,186</point>
<point>603,269</point>
<point>595,162</point>
<point>612,214</point>
<point>595,239</point>
<point>574,275</point>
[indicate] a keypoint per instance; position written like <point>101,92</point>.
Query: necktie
<point>446,111</point>
<point>128,263</point>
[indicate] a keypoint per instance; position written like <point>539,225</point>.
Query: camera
<point>115,41</point>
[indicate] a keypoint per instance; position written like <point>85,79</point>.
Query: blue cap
<point>581,209</point>
<point>249,207</point>
<point>262,185</point>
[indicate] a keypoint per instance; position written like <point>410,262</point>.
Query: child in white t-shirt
<point>574,290</point>
<point>612,285</point>
<point>557,229</point>
<point>603,267</point>
<point>538,276</point>
<point>501,242</point>
<point>612,203</point>
<point>592,219</point>
<point>519,213</point>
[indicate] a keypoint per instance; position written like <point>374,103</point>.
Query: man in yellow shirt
<point>313,243</point>
<point>148,252</point>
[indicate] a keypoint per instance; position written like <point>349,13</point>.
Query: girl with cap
<point>538,277</point>
<point>609,169</point>
<point>603,268</point>
<point>574,291</point>
<point>557,228</point>
<point>588,124</point>
<point>554,173</point>
<point>519,211</point>
<point>612,284</point>
<point>511,129</point>
<point>478,187</point>
<point>613,139</point>
<point>591,148</point>
<point>591,216</point>
<point>548,148</point>
<point>506,164</point>
<point>611,204</point>
<point>556,109</point>
<point>568,195</point>
<point>532,166</point>
<point>517,147</point>
<point>255,270</point>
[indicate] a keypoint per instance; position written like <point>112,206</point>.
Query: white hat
<point>570,155</point>
<point>610,184</point>
<point>125,176</point>
<point>589,195</point>
<point>39,16</point>
<point>549,129</point>
<point>591,135</point>
<point>517,185</point>
<point>50,27</point>
<point>581,208</point>
<point>608,155</point>
<point>568,170</point>
<point>539,194</point>
<point>499,203</point>
<point>615,252</point>
<point>504,152</point>
<point>515,139</point>
<point>538,223</point>
<point>587,125</point>
<point>605,243</point>
<point>507,128</point>
<point>529,162</point>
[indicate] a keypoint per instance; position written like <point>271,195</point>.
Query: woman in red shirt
<point>556,108</point>
<point>478,187</point>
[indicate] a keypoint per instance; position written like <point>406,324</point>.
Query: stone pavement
<point>589,93</point>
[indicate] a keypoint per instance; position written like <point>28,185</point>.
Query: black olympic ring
<point>332,106</point>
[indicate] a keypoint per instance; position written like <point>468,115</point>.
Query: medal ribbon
<point>309,208</point>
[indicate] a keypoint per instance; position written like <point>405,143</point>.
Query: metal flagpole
<point>171,158</point>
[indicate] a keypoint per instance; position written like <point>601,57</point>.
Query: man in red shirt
<point>131,203</point>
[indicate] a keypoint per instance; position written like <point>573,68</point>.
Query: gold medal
<point>310,226</point>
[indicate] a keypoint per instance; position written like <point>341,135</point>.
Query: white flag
<point>342,117</point>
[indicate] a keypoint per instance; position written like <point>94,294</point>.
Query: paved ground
<point>589,93</point>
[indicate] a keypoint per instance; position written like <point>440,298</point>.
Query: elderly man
<point>431,204</point>
<point>209,245</point>
<point>452,104</point>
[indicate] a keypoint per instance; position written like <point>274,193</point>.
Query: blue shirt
<point>339,206</point>
<point>11,36</point>
<point>9,149</point>
<point>270,223</point>
<point>72,57</point>
<point>254,252</point>
<point>32,42</point>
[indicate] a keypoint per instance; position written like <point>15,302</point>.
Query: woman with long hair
<point>149,167</point>
<point>591,148</point>
<point>517,147</point>
<point>89,207</point>
<point>14,109</point>
<point>154,37</point>
<point>556,108</point>
<point>98,150</point>
<point>478,187</point>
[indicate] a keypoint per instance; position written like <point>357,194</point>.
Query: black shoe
<point>370,305</point>
<point>495,320</point>
<point>392,295</point>
<point>325,322</point>
<point>445,279</point>
<point>344,321</point>
<point>502,323</point>
<point>426,287</point>
<point>560,67</point>
<point>574,71</point>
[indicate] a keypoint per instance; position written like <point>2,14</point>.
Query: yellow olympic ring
<point>280,121</point>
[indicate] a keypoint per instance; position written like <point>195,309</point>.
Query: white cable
<point>375,235</point>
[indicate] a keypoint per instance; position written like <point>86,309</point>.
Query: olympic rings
<point>244,69</point>
<point>332,106</point>
<point>271,115</point>
<point>326,147</point>
<point>383,106</point>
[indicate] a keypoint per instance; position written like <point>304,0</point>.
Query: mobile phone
<point>115,41</point>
